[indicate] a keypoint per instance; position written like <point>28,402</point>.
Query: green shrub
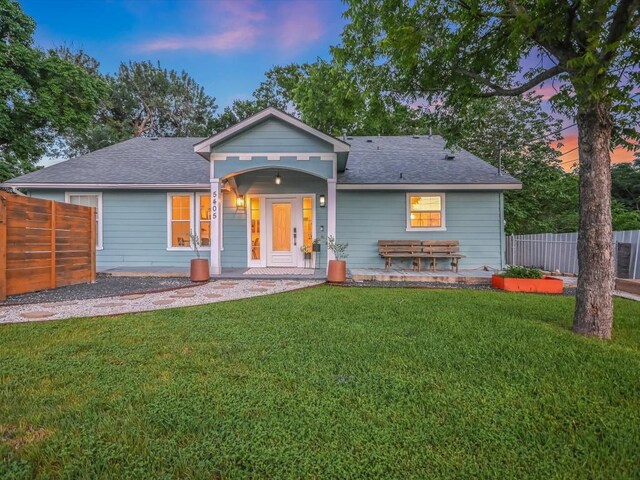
<point>516,271</point>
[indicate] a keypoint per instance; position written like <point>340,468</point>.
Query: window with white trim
<point>186,213</point>
<point>425,211</point>
<point>203,219</point>
<point>89,200</point>
<point>180,220</point>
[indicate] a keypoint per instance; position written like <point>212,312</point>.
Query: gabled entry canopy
<point>219,140</point>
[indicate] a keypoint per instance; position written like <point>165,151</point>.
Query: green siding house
<point>259,191</point>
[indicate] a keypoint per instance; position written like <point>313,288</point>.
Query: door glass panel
<point>255,229</point>
<point>205,220</point>
<point>307,221</point>
<point>281,226</point>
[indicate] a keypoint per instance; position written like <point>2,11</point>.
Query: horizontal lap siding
<point>234,230</point>
<point>273,136</point>
<point>473,218</point>
<point>134,229</point>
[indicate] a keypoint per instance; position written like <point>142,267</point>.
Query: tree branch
<point>485,14</point>
<point>620,23</point>
<point>499,91</point>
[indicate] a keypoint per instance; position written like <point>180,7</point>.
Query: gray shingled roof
<point>410,159</point>
<point>136,161</point>
<point>386,160</point>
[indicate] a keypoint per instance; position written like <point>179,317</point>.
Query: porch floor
<point>273,273</point>
<point>227,273</point>
<point>477,276</point>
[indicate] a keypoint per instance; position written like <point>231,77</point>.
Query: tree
<point>146,100</point>
<point>625,184</point>
<point>42,94</point>
<point>455,51</point>
<point>326,96</point>
<point>517,131</point>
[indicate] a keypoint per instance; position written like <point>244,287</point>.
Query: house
<point>258,191</point>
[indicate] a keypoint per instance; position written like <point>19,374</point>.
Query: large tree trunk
<point>594,306</point>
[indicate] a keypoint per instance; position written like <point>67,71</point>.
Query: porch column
<point>216,220</point>
<point>331,214</point>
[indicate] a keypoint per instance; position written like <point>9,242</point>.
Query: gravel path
<point>211,292</point>
<point>105,286</point>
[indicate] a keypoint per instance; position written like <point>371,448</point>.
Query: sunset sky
<point>226,45</point>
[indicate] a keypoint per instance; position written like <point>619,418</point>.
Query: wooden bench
<point>419,249</point>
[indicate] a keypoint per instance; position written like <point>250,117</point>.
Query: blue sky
<point>225,45</point>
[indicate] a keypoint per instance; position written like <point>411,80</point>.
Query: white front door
<point>282,232</point>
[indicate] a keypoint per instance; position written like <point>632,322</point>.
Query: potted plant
<point>315,245</point>
<point>307,251</point>
<point>337,268</point>
<point>524,279</point>
<point>199,266</point>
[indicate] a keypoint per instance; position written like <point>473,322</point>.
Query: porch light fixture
<point>322,201</point>
<point>278,178</point>
<point>239,201</point>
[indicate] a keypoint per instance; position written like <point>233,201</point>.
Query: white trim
<point>217,213</point>
<point>297,211</point>
<point>331,215</point>
<point>99,210</point>
<point>171,248</point>
<point>274,156</point>
<point>198,196</point>
<point>111,186</point>
<point>261,262</point>
<point>441,228</point>
<point>429,186</point>
<point>203,146</point>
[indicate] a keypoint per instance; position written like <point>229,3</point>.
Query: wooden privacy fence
<point>44,244</point>
<point>558,251</point>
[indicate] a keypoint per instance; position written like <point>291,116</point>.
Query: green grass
<point>327,382</point>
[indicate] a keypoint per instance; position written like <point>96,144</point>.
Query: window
<point>186,213</point>
<point>254,206</point>
<point>180,220</point>
<point>89,200</point>
<point>307,221</point>
<point>425,211</point>
<point>204,220</point>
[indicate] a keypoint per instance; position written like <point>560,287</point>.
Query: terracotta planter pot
<point>337,271</point>
<point>530,285</point>
<point>199,270</point>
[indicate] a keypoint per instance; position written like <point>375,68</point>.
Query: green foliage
<point>327,96</point>
<point>42,94</point>
<point>146,100</point>
<point>338,249</point>
<point>516,271</point>
<point>521,133</point>
<point>325,383</point>
<point>623,218</point>
<point>625,184</point>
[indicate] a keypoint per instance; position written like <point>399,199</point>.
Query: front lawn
<point>327,382</point>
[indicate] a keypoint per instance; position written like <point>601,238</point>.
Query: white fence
<point>558,251</point>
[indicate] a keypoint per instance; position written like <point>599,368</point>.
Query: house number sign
<point>214,205</point>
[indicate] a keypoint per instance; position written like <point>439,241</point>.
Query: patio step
<point>363,275</point>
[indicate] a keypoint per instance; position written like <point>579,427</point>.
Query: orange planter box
<point>530,285</point>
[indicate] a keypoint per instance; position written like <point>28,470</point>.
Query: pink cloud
<point>231,40</point>
<point>299,25</point>
<point>244,24</point>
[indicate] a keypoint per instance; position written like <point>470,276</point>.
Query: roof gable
<point>205,146</point>
<point>272,135</point>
